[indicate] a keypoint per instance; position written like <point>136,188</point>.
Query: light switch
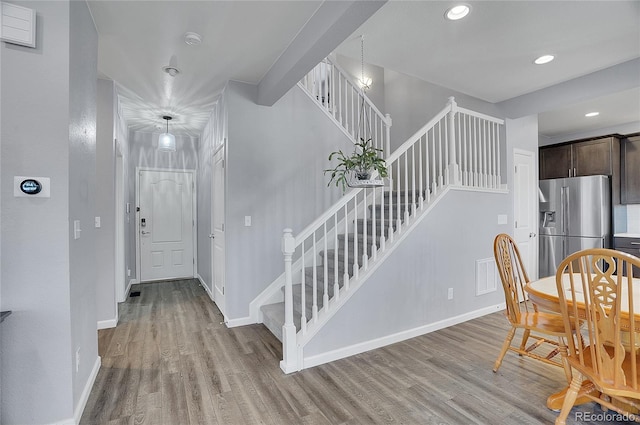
<point>97,222</point>
<point>502,219</point>
<point>247,220</point>
<point>76,229</point>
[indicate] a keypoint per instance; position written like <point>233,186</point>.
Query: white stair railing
<point>346,103</point>
<point>335,252</point>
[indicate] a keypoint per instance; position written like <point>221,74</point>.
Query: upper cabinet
<point>587,158</point>
<point>631,170</point>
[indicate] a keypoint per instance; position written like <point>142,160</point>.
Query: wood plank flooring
<point>171,361</point>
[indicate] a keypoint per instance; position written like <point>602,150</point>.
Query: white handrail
<point>456,147</point>
<point>347,104</point>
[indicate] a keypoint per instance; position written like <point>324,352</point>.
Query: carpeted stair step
<point>410,195</point>
<point>273,318</point>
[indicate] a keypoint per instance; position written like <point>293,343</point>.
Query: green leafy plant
<point>364,160</point>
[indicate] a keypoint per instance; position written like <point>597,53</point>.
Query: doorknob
<point>532,235</point>
<point>212,236</point>
<point>145,233</point>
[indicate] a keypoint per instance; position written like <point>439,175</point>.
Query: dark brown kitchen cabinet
<point>631,170</point>
<point>630,246</point>
<point>585,158</point>
<point>555,162</point>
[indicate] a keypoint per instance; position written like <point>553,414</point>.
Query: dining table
<point>543,292</point>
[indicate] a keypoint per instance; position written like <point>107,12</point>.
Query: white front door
<point>217,229</point>
<point>525,209</point>
<point>166,225</point>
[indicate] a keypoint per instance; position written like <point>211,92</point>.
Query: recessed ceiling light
<point>592,114</point>
<point>544,59</point>
<point>171,70</point>
<point>457,12</point>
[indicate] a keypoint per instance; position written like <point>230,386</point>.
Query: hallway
<point>170,361</point>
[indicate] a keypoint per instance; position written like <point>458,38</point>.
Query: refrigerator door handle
<point>563,210</point>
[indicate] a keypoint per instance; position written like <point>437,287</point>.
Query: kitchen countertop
<point>627,235</point>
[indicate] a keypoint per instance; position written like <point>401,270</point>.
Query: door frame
<point>194,212</point>
<point>120,280</point>
<point>218,299</point>
<point>533,190</point>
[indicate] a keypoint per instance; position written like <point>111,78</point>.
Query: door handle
<point>212,236</point>
<point>532,235</point>
<point>145,233</point>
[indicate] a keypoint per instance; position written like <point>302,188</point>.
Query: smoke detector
<point>192,38</point>
<point>171,70</point>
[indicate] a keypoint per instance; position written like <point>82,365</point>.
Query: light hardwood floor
<point>171,361</point>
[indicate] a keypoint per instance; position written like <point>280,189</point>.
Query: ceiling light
<point>544,59</point>
<point>365,83</point>
<point>171,70</point>
<point>457,12</point>
<point>592,114</point>
<point>192,38</point>
<point>167,141</point>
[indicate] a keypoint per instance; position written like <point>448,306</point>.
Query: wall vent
<point>17,25</point>
<point>486,276</point>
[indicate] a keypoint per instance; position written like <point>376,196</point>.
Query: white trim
<point>131,282</point>
<point>106,324</point>
<point>242,321</point>
<point>84,397</point>
<point>69,421</point>
<point>351,350</point>
<point>206,288</point>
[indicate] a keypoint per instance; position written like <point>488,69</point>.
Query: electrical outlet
<point>450,294</point>
<point>128,272</point>
<point>97,222</point>
<point>247,220</point>
<point>77,359</point>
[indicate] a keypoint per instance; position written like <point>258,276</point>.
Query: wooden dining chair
<point>546,329</point>
<point>596,288</point>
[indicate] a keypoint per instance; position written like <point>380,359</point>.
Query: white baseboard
<point>351,350</point>
<point>106,324</point>
<point>126,291</point>
<point>84,397</point>
<point>242,321</point>
<point>206,288</point>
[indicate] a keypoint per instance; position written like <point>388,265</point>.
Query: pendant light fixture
<point>167,141</point>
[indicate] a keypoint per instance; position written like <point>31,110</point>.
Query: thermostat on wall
<point>34,187</point>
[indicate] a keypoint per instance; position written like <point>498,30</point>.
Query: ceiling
<point>487,55</point>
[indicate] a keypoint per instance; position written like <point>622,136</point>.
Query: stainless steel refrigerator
<point>575,214</point>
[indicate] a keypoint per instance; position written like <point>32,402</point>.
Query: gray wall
<point>105,205</point>
<point>144,153</point>
<point>413,102</point>
<point>48,125</point>
<point>409,290</point>
<point>274,174</point>
<point>83,65</point>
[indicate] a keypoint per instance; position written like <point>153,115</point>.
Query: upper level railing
<point>344,101</point>
<point>332,255</point>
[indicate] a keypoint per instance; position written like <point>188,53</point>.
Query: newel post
<point>453,172</point>
<point>289,361</point>
<point>387,143</point>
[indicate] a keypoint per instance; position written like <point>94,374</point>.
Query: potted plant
<point>357,167</point>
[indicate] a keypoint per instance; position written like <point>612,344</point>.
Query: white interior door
<point>119,227</point>
<point>217,229</point>
<point>525,209</point>
<point>166,225</point>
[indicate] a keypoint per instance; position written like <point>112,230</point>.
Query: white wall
<point>48,130</point>
<point>274,174</point>
<point>376,92</point>
<point>144,153</point>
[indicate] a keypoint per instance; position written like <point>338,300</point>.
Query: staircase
<point>329,260</point>
<point>330,267</point>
